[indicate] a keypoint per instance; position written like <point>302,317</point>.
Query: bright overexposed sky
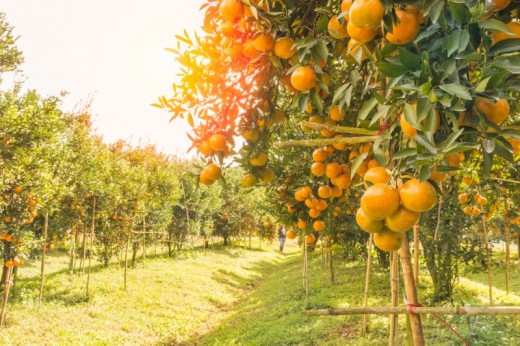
<point>112,51</point>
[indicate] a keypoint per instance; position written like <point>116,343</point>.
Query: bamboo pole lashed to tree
<point>326,141</point>
<point>446,310</point>
<point>44,245</point>
<point>367,282</point>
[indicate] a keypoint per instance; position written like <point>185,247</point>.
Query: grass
<point>233,296</point>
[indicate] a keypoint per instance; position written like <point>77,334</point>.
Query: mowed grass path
<point>231,296</point>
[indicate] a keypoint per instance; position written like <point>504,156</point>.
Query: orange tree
<point>421,80</point>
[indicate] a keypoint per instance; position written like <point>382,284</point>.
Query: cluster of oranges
<point>388,212</point>
<point>32,207</point>
<point>473,202</point>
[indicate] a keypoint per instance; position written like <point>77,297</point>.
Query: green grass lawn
<point>232,296</point>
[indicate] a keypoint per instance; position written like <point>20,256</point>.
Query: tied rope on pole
<point>410,306</point>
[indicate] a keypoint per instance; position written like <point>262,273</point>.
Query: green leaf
<point>504,149</point>
<point>409,59</point>
<point>510,64</point>
<point>317,101</point>
<point>410,114</point>
<point>436,10</point>
<point>425,173</point>
<point>453,42</point>
<point>460,12</point>
<point>464,40</point>
<point>488,163</point>
<point>456,90</point>
<point>495,24</point>
<point>406,152</point>
<point>426,143</point>
<point>356,163</point>
<point>447,144</point>
<point>366,108</point>
<point>391,70</point>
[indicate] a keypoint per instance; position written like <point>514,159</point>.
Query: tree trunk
<point>394,301</point>
<point>411,292</point>
<point>144,237</point>
<point>84,258</point>
<point>126,256</point>
<point>42,271</point>
<point>331,266</point>
<point>367,283</point>
<point>226,243</point>
<point>488,260</point>
<point>416,250</point>
<point>170,249</point>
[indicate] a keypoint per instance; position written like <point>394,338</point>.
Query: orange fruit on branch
<point>345,6</point>
<point>388,240</point>
<point>361,35</point>
<point>231,9</point>
<point>264,42</point>
<point>498,36</point>
<point>336,114</point>
<point>318,226</point>
<point>406,30</point>
<point>337,28</point>
<point>310,238</point>
<point>290,234</point>
<point>379,201</point>
<point>303,78</point>
<point>367,13</point>
<point>417,196</point>
<point>283,48</point>
<point>318,168</point>
<point>367,224</point>
<point>258,160</point>
<point>320,155</point>
<point>402,220</point>
<point>218,142</point>
<point>377,175</point>
<point>325,192</point>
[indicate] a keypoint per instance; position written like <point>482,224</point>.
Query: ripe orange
<point>322,205</point>
<point>373,163</point>
<point>227,28</point>
<point>438,176</point>
<point>417,196</point>
<point>17,189</point>
<point>402,220</point>
<point>290,234</point>
<point>406,30</point>
<point>218,142</point>
<point>475,211</point>
<point>367,224</point>
<point>204,148</point>
<point>8,263</point>
<point>468,180</point>
<point>314,213</point>
<point>311,202</point>
<point>210,174</point>
<point>496,113</point>
<point>302,224</point>
<point>318,168</point>
<point>361,35</point>
<point>337,191</point>
<point>328,132</point>
<point>463,197</point>
<point>379,201</point>
<point>353,47</point>
<point>310,238</point>
<point>258,160</point>
<point>248,50</point>
<point>17,262</point>
<point>303,193</point>
<point>499,5</point>
<point>325,191</point>
<point>343,181</point>
<point>336,114</point>
<point>337,29</point>
<point>320,155</point>
<point>252,135</point>
<point>332,170</point>
<point>388,240</point>
<point>264,42</point>
<point>367,13</point>
<point>377,175</point>
<point>407,128</point>
<point>266,174</point>
<point>318,226</point>
<point>231,9</point>
<point>283,48</point>
<point>303,78</point>
<point>482,200</point>
<point>7,219</point>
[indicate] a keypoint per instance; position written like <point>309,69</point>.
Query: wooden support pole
<point>488,258</point>
<point>367,282</point>
<point>338,129</point>
<point>446,310</point>
<point>508,254</point>
<point>7,286</point>
<point>394,299</point>
<point>44,245</point>
<point>411,292</point>
<point>305,270</point>
<point>92,230</point>
<point>326,141</point>
<point>416,252</point>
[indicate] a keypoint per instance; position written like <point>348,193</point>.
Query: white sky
<point>112,50</point>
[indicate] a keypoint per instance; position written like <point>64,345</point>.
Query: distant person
<point>281,237</point>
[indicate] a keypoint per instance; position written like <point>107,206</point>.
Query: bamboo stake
<point>446,310</point>
<point>42,271</point>
<point>505,180</point>
<point>91,241</point>
<point>367,283</point>
<point>126,256</point>
<point>338,129</point>
<point>7,286</point>
<point>394,289</point>
<point>488,258</point>
<point>411,291</point>
<point>416,251</point>
<point>326,141</point>
<point>84,258</point>
<point>144,237</point>
<point>305,270</point>
<point>508,254</point>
